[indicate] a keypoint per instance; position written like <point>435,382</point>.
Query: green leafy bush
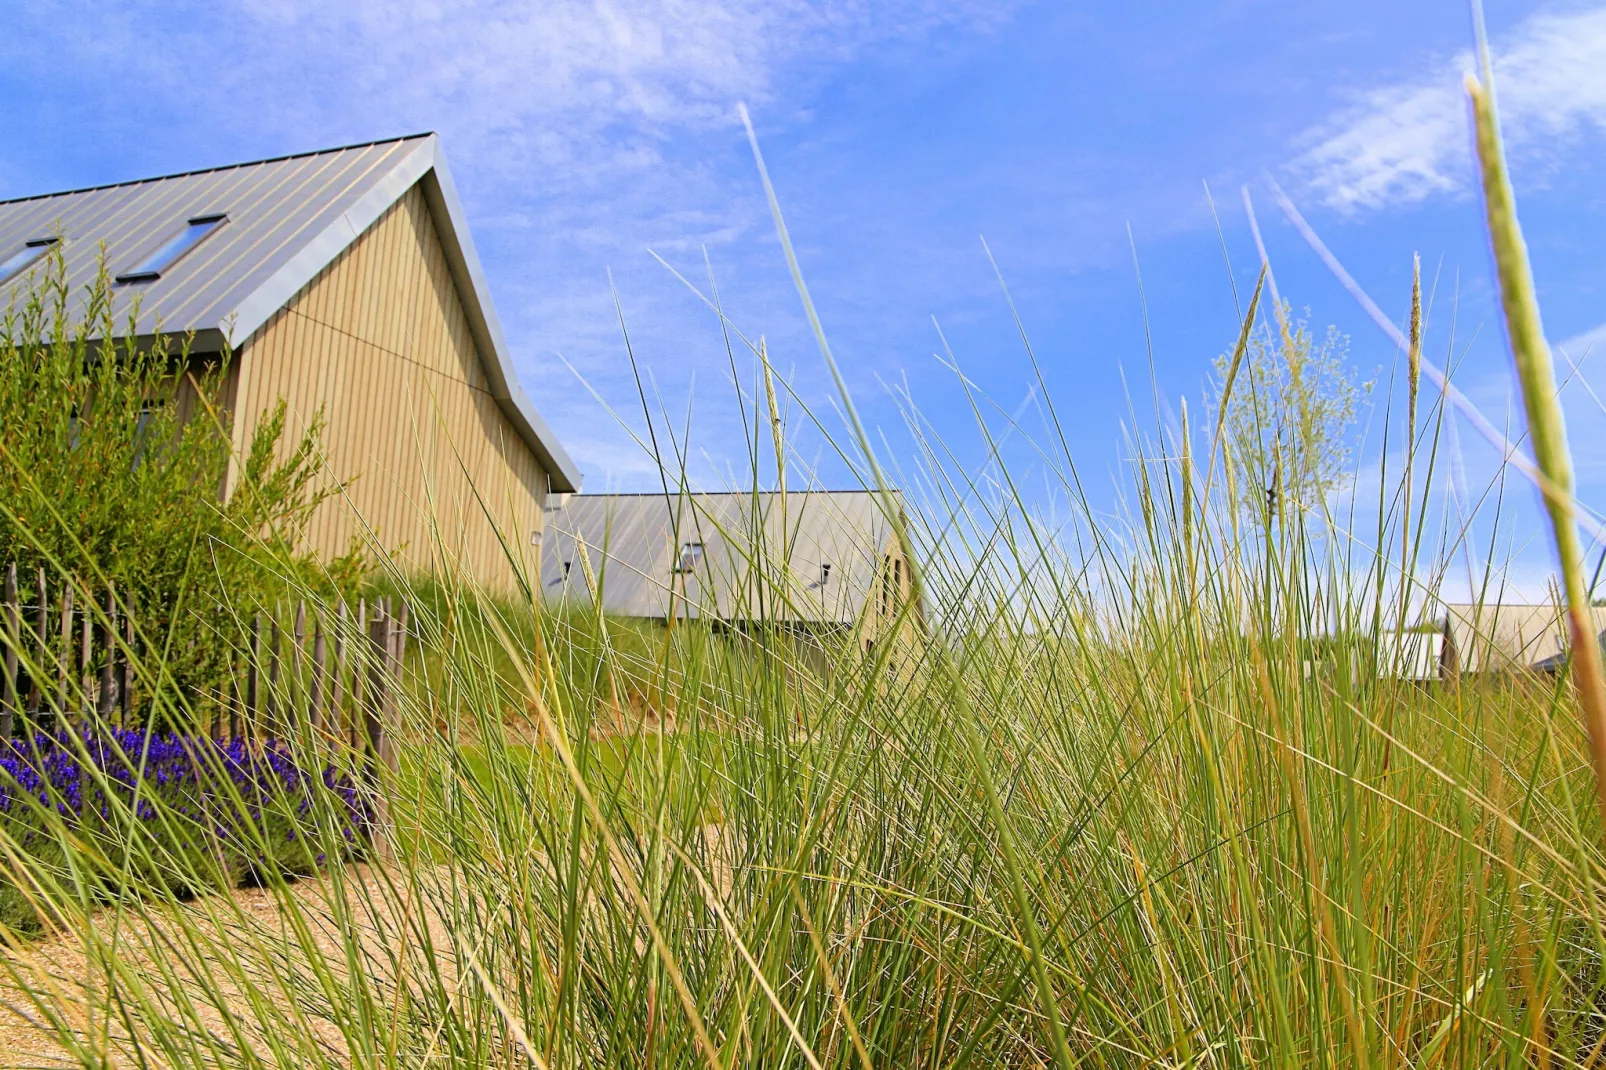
<point>112,471</point>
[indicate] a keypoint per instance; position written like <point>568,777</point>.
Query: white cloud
<point>1406,142</point>
<point>546,83</point>
<point>1591,343</point>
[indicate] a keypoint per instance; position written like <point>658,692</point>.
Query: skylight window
<point>23,258</point>
<point>195,231</point>
<point>691,554</point>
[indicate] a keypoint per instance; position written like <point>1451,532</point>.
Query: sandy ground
<point>253,925</point>
<point>60,963</point>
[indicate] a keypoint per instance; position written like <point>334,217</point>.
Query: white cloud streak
<point>1404,143</point>
<point>581,88</point>
<point>1589,343</point>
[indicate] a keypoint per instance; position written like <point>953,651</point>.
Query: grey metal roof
<point>634,541</point>
<point>288,218</point>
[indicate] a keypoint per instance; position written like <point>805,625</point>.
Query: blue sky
<point>898,133</point>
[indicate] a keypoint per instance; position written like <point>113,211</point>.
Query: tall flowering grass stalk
<point>1542,403</point>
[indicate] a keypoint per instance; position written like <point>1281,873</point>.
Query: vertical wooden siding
<point>379,342</point>
<point>891,588</point>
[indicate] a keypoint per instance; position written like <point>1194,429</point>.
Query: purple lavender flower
<point>173,787</point>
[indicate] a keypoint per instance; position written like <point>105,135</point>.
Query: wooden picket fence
<point>333,670</point>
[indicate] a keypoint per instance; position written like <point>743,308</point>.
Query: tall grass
<point>1138,796</point>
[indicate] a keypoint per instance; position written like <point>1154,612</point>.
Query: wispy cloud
<point>1589,343</point>
<point>1403,143</point>
<point>581,87</point>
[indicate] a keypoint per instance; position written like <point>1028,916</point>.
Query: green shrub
<point>112,465</point>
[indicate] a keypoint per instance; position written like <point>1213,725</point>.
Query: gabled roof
<point>288,219</point>
<point>635,541</point>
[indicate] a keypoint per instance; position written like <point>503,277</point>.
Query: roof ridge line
<point>221,167</point>
<point>709,493</point>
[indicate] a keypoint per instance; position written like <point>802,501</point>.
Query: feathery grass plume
<point>777,432</point>
<point>1231,377</point>
<point>1412,382</point>
<point>1546,428</point>
<point>1414,354</point>
<point>1187,497</point>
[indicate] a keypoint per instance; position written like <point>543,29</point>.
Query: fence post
<point>337,683</point>
<point>254,655</point>
<point>8,712</point>
<point>64,659</point>
<point>86,654</point>
<point>379,709</point>
<point>41,628</point>
<point>359,658</point>
<point>106,701</point>
<point>401,639</point>
<point>272,703</point>
<point>298,668</point>
<point>125,685</point>
<point>377,706</point>
<point>315,691</point>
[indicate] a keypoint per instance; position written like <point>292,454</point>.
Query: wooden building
<point>1417,656</point>
<point>1505,638</point>
<point>815,562</point>
<point>344,282</point>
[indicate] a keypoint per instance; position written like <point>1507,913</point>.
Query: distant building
<point>1415,656</point>
<point>815,561</point>
<point>1508,638</point>
<point>345,282</point>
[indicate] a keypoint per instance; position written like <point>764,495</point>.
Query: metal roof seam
<point>288,190</point>
<point>318,251</point>
<point>244,249</point>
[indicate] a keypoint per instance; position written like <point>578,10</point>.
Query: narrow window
<point>563,578</point>
<point>825,573</point>
<point>142,426</point>
<point>691,554</point>
<point>23,258</point>
<point>142,422</point>
<point>197,230</point>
